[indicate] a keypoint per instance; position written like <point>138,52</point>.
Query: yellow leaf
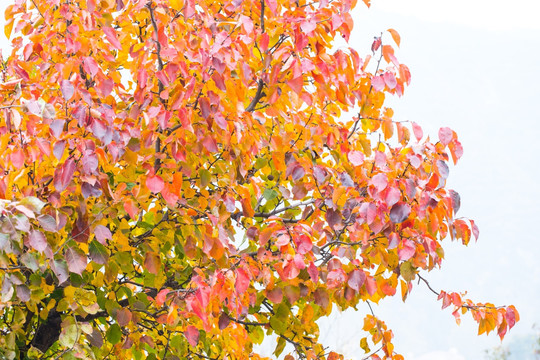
<point>176,4</point>
<point>8,27</point>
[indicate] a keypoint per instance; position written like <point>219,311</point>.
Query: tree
<point>183,178</point>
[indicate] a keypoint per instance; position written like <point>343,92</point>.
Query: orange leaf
<point>395,36</point>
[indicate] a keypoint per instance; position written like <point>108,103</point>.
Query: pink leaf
<point>210,144</point>
<point>110,34</point>
<point>303,244</point>
<point>67,89</point>
<point>90,66</point>
<point>47,222</point>
<point>407,250</point>
<point>192,335</point>
<point>380,181</point>
<point>445,135</point>
<point>418,133</point>
<point>390,80</point>
<point>37,240</point>
<point>102,234</point>
<point>308,26</point>
<point>378,83</point>
<point>155,183</point>
<point>392,196</point>
<point>313,272</point>
<point>475,230</point>
<point>272,5</point>
<point>443,169</point>
<point>356,158</point>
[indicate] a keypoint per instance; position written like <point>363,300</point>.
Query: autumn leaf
<point>185,178</point>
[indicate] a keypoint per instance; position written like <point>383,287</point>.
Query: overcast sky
<point>475,68</point>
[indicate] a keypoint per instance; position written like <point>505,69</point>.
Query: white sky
<point>475,68</point>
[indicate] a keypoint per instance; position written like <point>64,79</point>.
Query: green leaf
<point>270,194</point>
<point>32,203</point>
<point>114,334</point>
<point>407,271</point>
<point>256,334</point>
<point>205,177</point>
<point>280,346</point>
<point>69,335</point>
<point>98,252</point>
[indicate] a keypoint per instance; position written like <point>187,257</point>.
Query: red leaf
<point>371,285</point>
<point>445,135</point>
<point>298,172</point>
<point>64,174</point>
<point>242,281</point>
<point>76,260</point>
<point>399,212</point>
<point>313,272</point>
<point>155,183</point>
<point>511,316</point>
<point>333,217</point>
<point>123,316</point>
<point>303,244</point>
<point>81,229</point>
<point>152,262</point>
<point>321,298</point>
<point>376,44</point>
<point>161,297</point>
<point>224,321</point>
<point>192,335</point>
<point>275,295</point>
<point>356,279</point>
<point>296,84</point>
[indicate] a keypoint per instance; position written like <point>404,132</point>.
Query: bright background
<point>475,67</point>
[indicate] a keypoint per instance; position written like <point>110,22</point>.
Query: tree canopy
<point>182,179</point>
